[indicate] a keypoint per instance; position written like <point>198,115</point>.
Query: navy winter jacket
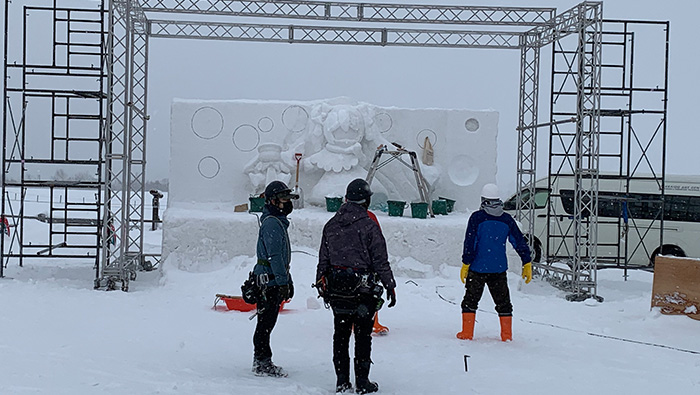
<point>485,242</point>
<point>352,239</point>
<point>273,247</point>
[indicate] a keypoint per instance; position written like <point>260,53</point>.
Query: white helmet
<point>490,191</point>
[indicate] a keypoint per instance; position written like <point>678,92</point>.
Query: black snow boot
<point>362,383</point>
<point>265,367</point>
<point>342,372</point>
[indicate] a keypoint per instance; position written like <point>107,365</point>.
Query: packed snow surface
<point>59,336</point>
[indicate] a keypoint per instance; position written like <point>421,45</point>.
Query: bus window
<point>677,207</point>
<point>609,203</point>
<point>644,206</point>
<point>541,195</point>
<point>694,209</point>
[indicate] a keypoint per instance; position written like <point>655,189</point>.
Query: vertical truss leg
<point>527,137</point>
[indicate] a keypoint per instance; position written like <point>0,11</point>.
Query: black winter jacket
<point>351,239</point>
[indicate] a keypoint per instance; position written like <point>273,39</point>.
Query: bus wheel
<point>536,250</point>
<point>668,249</point>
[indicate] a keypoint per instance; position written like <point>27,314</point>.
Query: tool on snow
<point>421,182</point>
<point>298,203</point>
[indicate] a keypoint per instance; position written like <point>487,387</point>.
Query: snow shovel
<point>298,203</point>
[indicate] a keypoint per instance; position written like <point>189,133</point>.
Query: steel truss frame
<point>130,28</point>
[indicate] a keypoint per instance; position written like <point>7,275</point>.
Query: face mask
<point>492,207</point>
<point>287,208</point>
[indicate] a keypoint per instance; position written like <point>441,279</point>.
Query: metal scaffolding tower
<point>631,120</point>
<point>131,23</point>
<point>53,119</point>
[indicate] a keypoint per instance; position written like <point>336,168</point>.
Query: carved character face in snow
<point>343,126</point>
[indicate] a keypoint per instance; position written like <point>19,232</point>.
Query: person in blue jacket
<point>272,271</point>
<point>484,261</point>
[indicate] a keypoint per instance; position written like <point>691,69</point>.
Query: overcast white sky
<point>408,77</point>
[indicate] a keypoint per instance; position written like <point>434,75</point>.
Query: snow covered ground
<point>59,336</point>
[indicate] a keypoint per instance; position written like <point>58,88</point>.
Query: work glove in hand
<point>463,273</point>
<point>291,290</point>
<point>284,292</point>
<point>320,287</point>
<point>527,272</point>
<point>391,295</point>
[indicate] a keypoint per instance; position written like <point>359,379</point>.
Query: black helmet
<point>278,190</point>
<point>358,191</point>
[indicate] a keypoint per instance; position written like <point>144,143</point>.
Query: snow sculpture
<point>338,137</point>
<point>267,166</point>
<point>224,151</point>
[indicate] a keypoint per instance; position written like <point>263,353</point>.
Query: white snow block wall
<point>207,240</point>
<point>222,152</point>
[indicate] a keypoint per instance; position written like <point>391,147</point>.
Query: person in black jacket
<point>351,258</point>
<point>272,272</point>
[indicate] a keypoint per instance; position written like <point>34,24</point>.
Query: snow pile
<point>203,240</point>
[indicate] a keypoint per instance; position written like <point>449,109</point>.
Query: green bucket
<point>440,207</point>
<point>256,204</point>
<point>333,203</point>
<point>419,210</point>
<point>450,203</point>
<point>396,207</point>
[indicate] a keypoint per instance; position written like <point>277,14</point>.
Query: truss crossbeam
<point>334,35</point>
<point>360,12</point>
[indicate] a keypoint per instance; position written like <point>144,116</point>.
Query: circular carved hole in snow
<point>265,124</point>
<point>246,138</point>
<point>431,135</point>
<point>463,171</point>
<point>208,167</point>
<point>471,124</point>
<point>294,118</point>
<point>207,123</point>
<point>383,122</point>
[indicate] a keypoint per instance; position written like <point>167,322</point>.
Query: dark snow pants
<point>345,321</point>
<point>498,287</point>
<point>268,311</point>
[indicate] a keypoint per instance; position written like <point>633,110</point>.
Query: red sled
<point>237,303</point>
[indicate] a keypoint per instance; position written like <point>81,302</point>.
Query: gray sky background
<point>409,77</point>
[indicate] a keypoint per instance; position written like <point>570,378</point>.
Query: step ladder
<point>397,154</point>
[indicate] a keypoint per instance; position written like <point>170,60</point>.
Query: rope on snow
<point>622,339</point>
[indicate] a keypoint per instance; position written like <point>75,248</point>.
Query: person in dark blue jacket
<point>272,271</point>
<point>484,261</point>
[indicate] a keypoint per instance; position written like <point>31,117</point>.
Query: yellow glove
<point>463,273</point>
<point>527,272</point>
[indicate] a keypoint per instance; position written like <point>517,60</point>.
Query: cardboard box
<point>676,288</point>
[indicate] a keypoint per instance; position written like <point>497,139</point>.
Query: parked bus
<point>628,220</point>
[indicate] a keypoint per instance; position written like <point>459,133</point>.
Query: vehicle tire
<point>669,249</point>
<point>536,250</point>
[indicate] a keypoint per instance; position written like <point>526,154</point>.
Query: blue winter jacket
<point>485,242</point>
<point>273,250</point>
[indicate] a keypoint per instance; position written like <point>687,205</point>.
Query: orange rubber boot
<point>467,332</point>
<point>379,328</point>
<point>506,328</point>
